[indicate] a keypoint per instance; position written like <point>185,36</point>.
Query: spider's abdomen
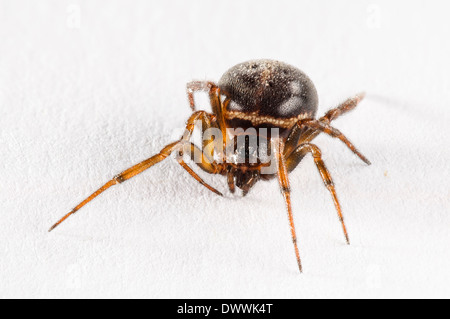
<point>267,93</point>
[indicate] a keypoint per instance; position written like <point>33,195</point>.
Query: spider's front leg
<point>204,159</point>
<point>283,179</point>
<point>215,100</point>
<point>296,157</point>
<point>139,168</point>
<point>197,86</point>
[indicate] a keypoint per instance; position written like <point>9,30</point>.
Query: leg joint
<point>119,178</point>
<point>285,189</point>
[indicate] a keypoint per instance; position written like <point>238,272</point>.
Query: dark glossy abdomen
<point>267,93</point>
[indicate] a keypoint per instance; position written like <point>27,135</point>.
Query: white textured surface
<point>78,105</point>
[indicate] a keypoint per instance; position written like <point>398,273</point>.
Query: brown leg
<point>198,178</point>
<point>205,164</point>
<point>328,129</point>
<point>286,191</point>
<point>343,108</point>
<point>202,159</point>
<point>230,180</point>
<point>250,183</point>
<point>293,139</point>
<point>139,168</point>
<point>196,86</point>
<point>295,158</point>
<point>216,105</point>
<point>300,152</point>
<point>305,135</point>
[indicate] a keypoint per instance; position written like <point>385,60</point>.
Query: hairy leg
<point>202,161</point>
<point>300,135</point>
<point>197,86</point>
<point>250,183</point>
<point>286,191</point>
<point>230,179</point>
<point>333,132</point>
<point>217,109</point>
<point>343,108</point>
<point>298,154</point>
<point>139,168</point>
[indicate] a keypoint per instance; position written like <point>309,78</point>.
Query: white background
<point>89,88</point>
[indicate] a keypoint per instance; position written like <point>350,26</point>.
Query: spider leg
<point>305,135</point>
<point>204,164</point>
<point>333,132</point>
<point>218,108</point>
<point>299,153</point>
<point>295,158</point>
<point>251,182</point>
<point>139,168</point>
<point>213,121</point>
<point>230,179</point>
<point>286,191</point>
<point>196,86</point>
<point>343,108</point>
<point>202,159</point>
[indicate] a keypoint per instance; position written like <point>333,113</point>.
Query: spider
<point>253,96</point>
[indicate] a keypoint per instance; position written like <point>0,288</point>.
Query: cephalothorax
<point>260,104</point>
